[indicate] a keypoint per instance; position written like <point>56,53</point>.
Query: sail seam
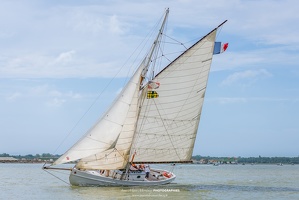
<point>166,130</point>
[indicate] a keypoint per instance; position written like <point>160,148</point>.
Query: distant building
<point>203,161</point>
<point>8,159</point>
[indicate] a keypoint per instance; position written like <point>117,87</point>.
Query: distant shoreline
<point>195,162</point>
<point>24,161</point>
<point>241,160</point>
<point>50,158</point>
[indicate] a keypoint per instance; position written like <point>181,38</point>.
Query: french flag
<point>220,47</point>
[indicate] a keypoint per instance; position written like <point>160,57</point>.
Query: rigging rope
<point>57,177</point>
<point>176,41</point>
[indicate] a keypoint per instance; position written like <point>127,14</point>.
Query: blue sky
<point>56,58</point>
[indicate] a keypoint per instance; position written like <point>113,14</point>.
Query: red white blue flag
<point>220,47</point>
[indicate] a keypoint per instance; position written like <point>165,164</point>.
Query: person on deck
<point>141,166</point>
<point>133,167</point>
<point>147,170</point>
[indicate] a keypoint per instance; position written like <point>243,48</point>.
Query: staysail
<point>167,125</point>
<point>102,137</point>
<point>116,156</point>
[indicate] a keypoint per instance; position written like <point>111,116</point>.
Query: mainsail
<point>167,125</point>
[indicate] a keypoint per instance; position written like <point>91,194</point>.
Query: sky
<point>56,58</point>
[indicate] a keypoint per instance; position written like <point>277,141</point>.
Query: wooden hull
<point>95,178</point>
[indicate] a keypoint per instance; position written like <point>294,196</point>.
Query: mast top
<point>154,45</point>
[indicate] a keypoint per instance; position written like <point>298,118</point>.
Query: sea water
<point>29,182</point>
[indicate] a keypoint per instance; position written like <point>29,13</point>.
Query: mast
<point>148,58</point>
<point>146,63</point>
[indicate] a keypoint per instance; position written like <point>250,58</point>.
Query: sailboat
<point>152,121</point>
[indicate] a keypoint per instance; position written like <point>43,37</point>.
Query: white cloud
<point>115,25</point>
<point>103,34</point>
<point>45,94</point>
<point>230,60</point>
<point>65,65</point>
<point>266,21</point>
<point>13,97</point>
<point>85,19</point>
<point>73,95</point>
<point>65,57</point>
<point>55,93</point>
<point>230,100</point>
<point>246,75</point>
<point>40,90</point>
<point>55,102</point>
<point>234,100</point>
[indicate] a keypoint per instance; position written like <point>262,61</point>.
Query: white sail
<point>107,133</point>
<point>117,156</point>
<point>107,145</point>
<point>167,125</point>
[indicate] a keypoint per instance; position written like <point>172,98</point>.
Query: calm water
<point>28,181</point>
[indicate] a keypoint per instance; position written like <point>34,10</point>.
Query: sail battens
<point>97,140</point>
<point>178,113</point>
<point>89,149</point>
<point>156,137</point>
<point>170,135</point>
<point>185,89</point>
<point>182,76</point>
<point>171,120</point>
<point>186,78</point>
<point>194,98</point>
<point>177,131</point>
<point>190,64</point>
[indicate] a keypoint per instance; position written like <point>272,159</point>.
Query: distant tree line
<point>271,160</point>
<point>31,157</point>
<point>260,159</point>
